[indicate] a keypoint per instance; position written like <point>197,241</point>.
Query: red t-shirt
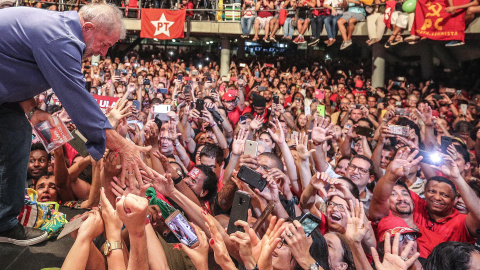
<point>451,228</point>
<point>234,116</point>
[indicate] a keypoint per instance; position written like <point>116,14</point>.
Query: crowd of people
<point>389,175</point>
<point>335,15</point>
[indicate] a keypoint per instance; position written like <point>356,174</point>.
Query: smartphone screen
<point>309,223</point>
<point>182,229</point>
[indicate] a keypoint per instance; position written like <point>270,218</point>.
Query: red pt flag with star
<point>162,23</point>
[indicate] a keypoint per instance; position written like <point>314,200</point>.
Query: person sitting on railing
<point>399,21</point>
<point>186,4</point>
<point>248,16</point>
<point>303,19</point>
<point>375,23</point>
<point>290,20</point>
<point>274,22</point>
<point>355,13</point>
<point>319,16</point>
<point>473,9</point>
<point>264,15</point>
<point>331,21</point>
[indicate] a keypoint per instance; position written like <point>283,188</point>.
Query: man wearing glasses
<point>361,171</point>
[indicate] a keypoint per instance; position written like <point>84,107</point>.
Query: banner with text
<point>434,22</point>
<point>106,103</point>
<point>162,23</point>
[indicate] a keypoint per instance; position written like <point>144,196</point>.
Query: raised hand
<point>321,131</point>
<point>199,254</point>
<point>150,132</point>
<point>244,243</point>
<point>238,145</point>
<point>424,111</point>
<point>217,244</point>
<point>172,131</point>
<point>162,184</point>
<point>448,167</point>
<point>256,123</point>
<point>113,224</point>
<point>277,132</point>
<point>356,227</point>
<point>132,211</point>
<point>92,226</point>
<point>119,111</point>
<point>302,147</point>
<point>391,259</point>
<point>319,181</point>
<point>402,163</point>
<point>132,188</point>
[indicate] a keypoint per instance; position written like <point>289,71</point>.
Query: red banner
<point>433,22</point>
<point>105,102</point>
<point>162,23</point>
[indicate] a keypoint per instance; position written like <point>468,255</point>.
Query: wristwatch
<point>30,114</point>
<point>314,266</point>
<point>109,246</point>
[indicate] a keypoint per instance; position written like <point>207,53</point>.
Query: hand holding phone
<point>252,178</point>
<point>240,206</point>
<point>180,227</point>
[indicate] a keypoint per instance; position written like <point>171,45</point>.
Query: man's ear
<point>204,193</point>
<point>371,178</point>
<point>88,26</point>
<point>468,165</point>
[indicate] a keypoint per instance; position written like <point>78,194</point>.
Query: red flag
<point>387,17</point>
<point>433,22</point>
<point>162,23</point>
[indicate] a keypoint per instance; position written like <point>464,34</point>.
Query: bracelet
<point>178,179</point>
<point>214,124</point>
<point>317,144</point>
<point>30,114</point>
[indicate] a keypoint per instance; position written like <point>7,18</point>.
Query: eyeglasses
<point>406,236</point>
<point>281,244</point>
<point>340,207</point>
<point>361,171</point>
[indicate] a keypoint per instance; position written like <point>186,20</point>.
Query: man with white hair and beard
<point>41,49</point>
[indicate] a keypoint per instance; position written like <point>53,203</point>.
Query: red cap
<point>359,84</point>
<point>393,225</point>
<point>229,95</point>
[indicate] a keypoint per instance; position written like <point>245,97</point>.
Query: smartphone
<point>397,83</point>
<point>402,112</point>
<point>252,178</point>
<point>459,92</point>
<point>398,103</point>
<point>243,118</point>
<point>117,72</point>
<point>251,148</point>
<point>187,89</point>
<point>199,105</point>
<point>240,206</point>
<point>358,106</point>
<point>463,108</point>
<point>450,90</point>
<point>209,79</point>
<point>180,77</point>
<point>309,223</point>
<point>263,217</point>
<point>437,97</point>
<point>269,65</point>
<point>276,99</point>
<point>399,130</point>
<point>432,158</point>
<point>180,227</point>
<point>124,72</point>
<point>146,82</point>
<point>233,79</point>
<point>194,72</point>
<point>242,65</point>
<point>308,110</point>
<point>401,79</point>
<point>319,94</point>
<point>162,90</point>
<point>136,103</point>
<point>365,131</point>
<point>262,88</point>
<point>445,143</point>
<point>321,110</point>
